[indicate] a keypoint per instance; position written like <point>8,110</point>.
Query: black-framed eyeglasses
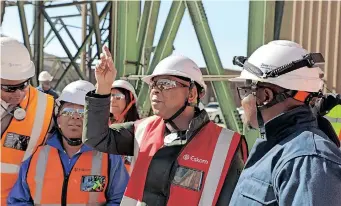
<point>166,84</point>
<point>13,88</point>
<point>70,112</point>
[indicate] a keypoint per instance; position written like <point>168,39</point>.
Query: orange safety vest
<point>210,151</point>
<point>31,130</point>
<point>85,184</point>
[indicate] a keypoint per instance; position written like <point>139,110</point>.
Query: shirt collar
<point>288,122</point>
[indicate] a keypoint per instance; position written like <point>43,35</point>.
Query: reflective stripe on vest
<point>140,129</point>
<point>46,173</point>
<point>333,120</point>
<point>34,127</point>
<point>212,156</point>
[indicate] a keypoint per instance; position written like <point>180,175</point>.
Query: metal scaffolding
<point>129,31</point>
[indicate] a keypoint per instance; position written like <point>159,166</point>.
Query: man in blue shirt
<point>65,171</point>
<point>294,163</point>
<point>45,79</point>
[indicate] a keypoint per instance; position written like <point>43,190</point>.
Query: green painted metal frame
<point>163,49</point>
<point>69,33</point>
<point>86,41</point>
<point>38,40</point>
<point>95,26</point>
<point>61,41</point>
<point>221,88</point>
<point>145,36</point>
<point>126,48</point>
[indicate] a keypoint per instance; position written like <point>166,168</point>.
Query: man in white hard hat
<point>294,163</point>
<point>26,113</point>
<point>179,156</point>
<point>66,172</point>
<point>45,80</point>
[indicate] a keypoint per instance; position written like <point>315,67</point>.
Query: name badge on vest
<point>16,141</point>
<point>93,183</point>
<point>188,178</point>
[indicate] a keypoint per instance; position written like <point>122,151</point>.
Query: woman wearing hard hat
<point>123,108</point>
<point>123,102</point>
<point>180,157</point>
<point>66,172</point>
<point>295,162</point>
<point>25,112</point>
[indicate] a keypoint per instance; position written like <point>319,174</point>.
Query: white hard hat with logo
<point>177,65</point>
<point>278,54</point>
<point>16,62</point>
<point>125,85</point>
<point>45,76</point>
<point>76,91</point>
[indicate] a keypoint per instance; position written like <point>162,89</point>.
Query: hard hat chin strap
<point>176,114</point>
<point>71,142</point>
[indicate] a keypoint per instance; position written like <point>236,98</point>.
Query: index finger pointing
<point>106,51</point>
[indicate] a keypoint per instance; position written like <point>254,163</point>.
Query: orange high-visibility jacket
<point>30,131</point>
<point>85,185</point>
<point>210,151</point>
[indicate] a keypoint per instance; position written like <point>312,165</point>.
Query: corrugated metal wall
<point>316,25</point>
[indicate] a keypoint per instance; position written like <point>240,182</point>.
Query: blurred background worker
<point>179,156</point>
<point>123,103</point>
<point>45,80</point>
<point>295,162</point>
<point>66,172</point>
<point>123,108</point>
<point>26,113</point>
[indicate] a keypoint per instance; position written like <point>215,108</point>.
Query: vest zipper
<point>64,190</point>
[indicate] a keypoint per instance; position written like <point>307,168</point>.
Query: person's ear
<point>193,95</point>
<point>268,95</point>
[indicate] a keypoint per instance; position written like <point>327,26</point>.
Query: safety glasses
<point>118,96</point>
<point>13,88</point>
<point>70,112</point>
<point>165,84</point>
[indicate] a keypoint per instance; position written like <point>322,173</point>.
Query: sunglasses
<point>118,96</point>
<point>70,112</point>
<point>166,84</point>
<point>14,88</point>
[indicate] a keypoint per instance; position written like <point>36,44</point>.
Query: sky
<point>228,21</point>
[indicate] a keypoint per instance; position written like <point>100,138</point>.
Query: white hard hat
<point>279,53</point>
<point>16,62</point>
<point>76,91</point>
<point>125,85</point>
<point>177,65</point>
<point>44,76</point>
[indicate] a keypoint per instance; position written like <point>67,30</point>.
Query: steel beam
<point>49,32</point>
<point>61,41</point>
<point>86,41</point>
<point>24,29</point>
<point>145,36</point>
<point>261,24</point>
<point>65,16</point>
<point>223,93</point>
<point>69,33</point>
<point>38,40</point>
<point>69,4</point>
<point>132,12</point>
<point>95,26</point>
<point>84,12</point>
<point>113,29</point>
<point>163,49</point>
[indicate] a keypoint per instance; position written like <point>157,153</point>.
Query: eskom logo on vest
<point>194,159</point>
